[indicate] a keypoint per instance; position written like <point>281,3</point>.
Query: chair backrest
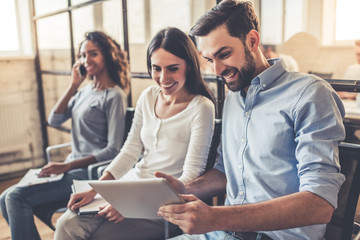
<point>214,145</point>
<point>130,111</point>
<point>341,224</point>
<point>322,75</point>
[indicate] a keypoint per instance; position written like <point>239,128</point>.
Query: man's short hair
<point>239,18</point>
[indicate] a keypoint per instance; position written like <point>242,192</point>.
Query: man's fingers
<point>189,197</point>
<point>163,175</point>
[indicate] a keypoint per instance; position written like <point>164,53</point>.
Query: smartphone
<point>82,70</point>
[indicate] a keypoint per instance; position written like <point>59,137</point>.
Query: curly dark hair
<point>116,61</point>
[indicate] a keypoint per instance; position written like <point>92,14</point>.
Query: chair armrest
<point>101,169</point>
<point>92,167</point>
<point>53,147</point>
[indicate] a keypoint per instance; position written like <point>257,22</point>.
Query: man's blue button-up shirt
<point>282,137</point>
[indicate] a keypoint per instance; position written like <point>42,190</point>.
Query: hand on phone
<point>82,70</point>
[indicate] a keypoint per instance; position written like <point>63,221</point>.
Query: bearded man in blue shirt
<point>278,159</point>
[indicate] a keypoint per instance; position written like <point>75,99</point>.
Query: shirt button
<point>239,166</point>
<point>264,85</point>
<point>247,113</point>
<point>241,193</point>
<point>243,140</point>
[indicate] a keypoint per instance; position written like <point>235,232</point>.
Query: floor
<point>45,232</point>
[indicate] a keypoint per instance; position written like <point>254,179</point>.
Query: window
<point>347,18</point>
<point>331,21</point>
<point>8,25</point>
<point>171,13</point>
<point>281,19</point>
<point>17,30</point>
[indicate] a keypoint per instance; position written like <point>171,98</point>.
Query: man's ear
<point>254,40</point>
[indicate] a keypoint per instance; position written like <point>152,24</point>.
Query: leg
<point>3,203</point>
<point>19,203</point>
<point>72,226</point>
<point>132,229</point>
<point>216,235</point>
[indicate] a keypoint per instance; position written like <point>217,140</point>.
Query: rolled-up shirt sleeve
<point>319,130</point>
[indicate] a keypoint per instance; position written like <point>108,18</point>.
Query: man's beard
<point>245,74</point>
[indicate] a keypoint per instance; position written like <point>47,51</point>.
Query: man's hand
<point>178,185</point>
<point>53,168</point>
<point>110,213</point>
<point>193,217</point>
<point>78,200</point>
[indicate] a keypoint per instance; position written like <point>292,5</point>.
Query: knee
<point>2,200</point>
<point>12,196</point>
<point>65,221</point>
<point>67,226</point>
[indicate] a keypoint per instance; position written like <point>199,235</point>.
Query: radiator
<point>13,124</point>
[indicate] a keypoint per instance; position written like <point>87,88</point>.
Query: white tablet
<point>138,198</point>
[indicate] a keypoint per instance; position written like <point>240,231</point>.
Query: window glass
<point>112,20</point>
<point>46,6</point>
<point>8,26</point>
<point>172,13</point>
<point>271,21</point>
<point>347,18</point>
<point>293,18</point>
<point>136,21</point>
<point>54,42</point>
<point>83,21</point>
<point>53,32</point>
<point>75,2</point>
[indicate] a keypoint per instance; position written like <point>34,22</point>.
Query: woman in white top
<point>173,126</point>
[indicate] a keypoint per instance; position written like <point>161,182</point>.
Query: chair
<point>215,141</point>
<point>342,221</point>
<point>45,211</point>
<point>322,75</point>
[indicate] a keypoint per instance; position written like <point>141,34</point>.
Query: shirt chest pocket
<point>94,112</point>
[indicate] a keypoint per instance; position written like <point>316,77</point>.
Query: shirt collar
<point>276,69</point>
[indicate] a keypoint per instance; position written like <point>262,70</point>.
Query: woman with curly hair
<point>97,111</point>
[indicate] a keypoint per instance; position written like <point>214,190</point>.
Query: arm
<point>194,217</point>
<point>132,147</point>
<point>299,209</point>
<point>76,80</point>
<point>78,200</point>
<point>319,174</point>
<point>62,167</point>
<point>115,109</point>
<point>202,128</point>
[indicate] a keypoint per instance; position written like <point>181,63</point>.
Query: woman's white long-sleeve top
<point>177,146</point>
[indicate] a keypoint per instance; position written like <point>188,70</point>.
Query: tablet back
<point>138,198</point>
